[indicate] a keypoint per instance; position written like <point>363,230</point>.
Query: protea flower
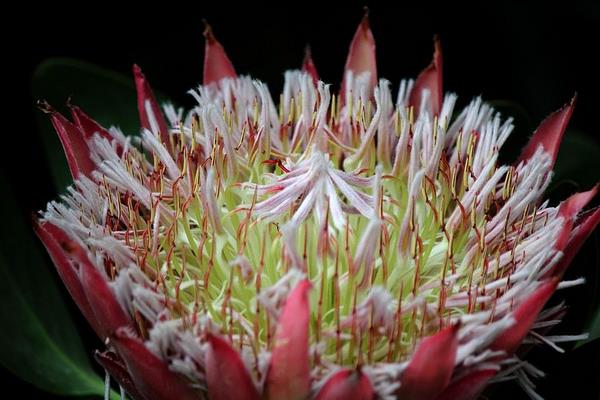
<point>328,246</point>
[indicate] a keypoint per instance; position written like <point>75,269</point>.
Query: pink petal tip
<point>289,372</point>
<point>575,232</point>
<point>568,210</point>
<point>361,57</point>
<point>430,79</point>
<point>87,125</point>
<point>73,143</point>
<point>226,375</point>
<point>431,366</point>
<point>217,65</point>
<point>550,132</point>
<point>347,384</point>
<point>149,109</point>
<point>524,315</point>
<point>583,228</point>
<point>151,375</point>
<point>308,65</point>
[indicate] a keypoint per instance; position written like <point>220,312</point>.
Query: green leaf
<point>107,96</point>
<point>38,340</point>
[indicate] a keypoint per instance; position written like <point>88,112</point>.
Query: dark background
<point>535,55</point>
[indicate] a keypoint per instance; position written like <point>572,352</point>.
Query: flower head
<point>330,245</point>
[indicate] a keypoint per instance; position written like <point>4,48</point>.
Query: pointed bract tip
<point>73,142</point>
<point>44,106</point>
<point>308,65</point>
<point>226,374</point>
<point>217,64</point>
<point>137,71</point>
<point>549,133</point>
<point>208,32</point>
<point>430,79</point>
<point>365,22</point>
<point>86,124</point>
<point>569,209</point>
<point>151,375</point>
<point>288,376</point>
<point>437,50</point>
<point>304,286</point>
<point>524,315</point>
<point>150,112</point>
<point>584,226</point>
<point>361,56</point>
<point>571,206</point>
<point>431,365</point>
<point>347,384</point>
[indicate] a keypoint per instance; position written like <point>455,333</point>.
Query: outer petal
<point>361,57</point>
<point>525,315</point>
<point>288,377</point>
<point>430,79</point>
<point>107,310</point>
<point>347,384</point>
<point>550,132</point>
<point>73,143</point>
<point>431,366</point>
<point>308,65</point>
<point>579,235</point>
<point>117,369</point>
<point>569,210</point>
<point>216,63</point>
<point>468,387</point>
<point>87,125</point>
<point>148,108</point>
<point>226,374</point>
<point>60,247</point>
<point>151,375</point>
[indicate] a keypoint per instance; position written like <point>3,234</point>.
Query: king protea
<point>313,245</point>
